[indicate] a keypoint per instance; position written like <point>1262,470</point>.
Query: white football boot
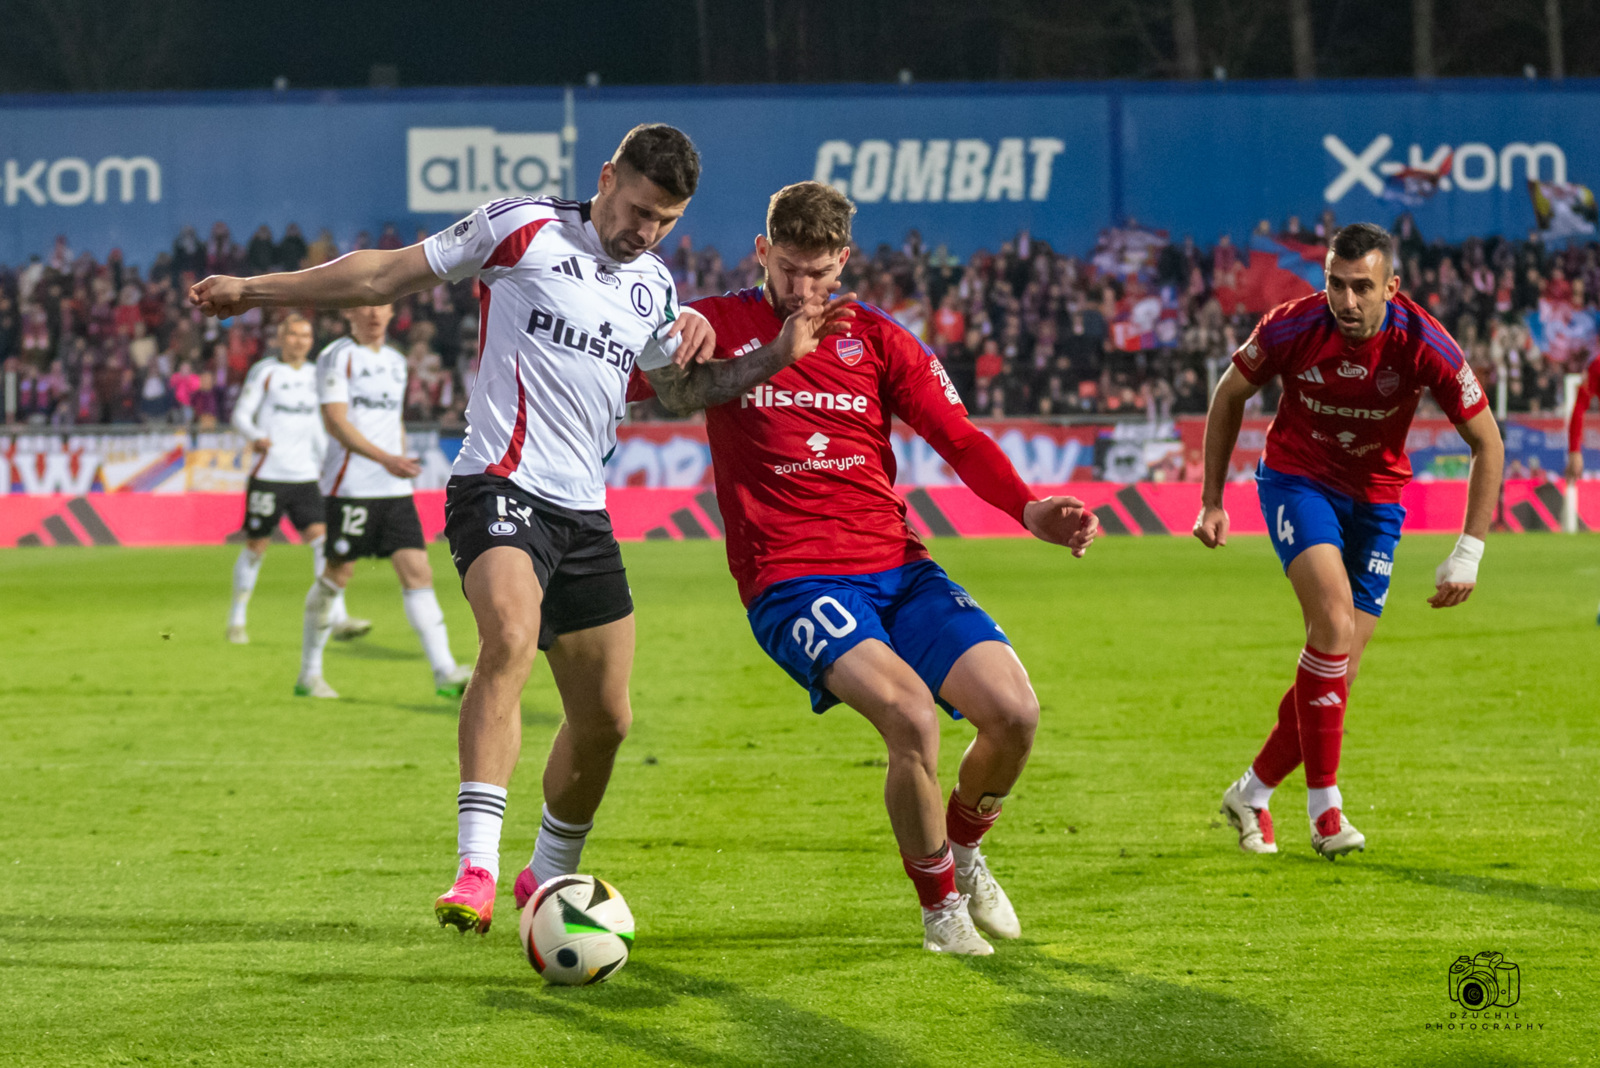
<point>1253,824</point>
<point>988,905</point>
<point>949,930</point>
<point>313,687</point>
<point>1333,836</point>
<point>349,629</point>
<point>237,636</point>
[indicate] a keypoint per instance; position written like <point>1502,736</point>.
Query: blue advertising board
<point>966,165</point>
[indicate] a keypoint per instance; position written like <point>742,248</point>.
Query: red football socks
<point>1281,753</point>
<point>966,825</point>
<point>933,876</point>
<point>1320,689</point>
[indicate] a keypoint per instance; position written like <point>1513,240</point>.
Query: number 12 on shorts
<point>354,520</point>
<point>805,632</point>
<point>1285,528</point>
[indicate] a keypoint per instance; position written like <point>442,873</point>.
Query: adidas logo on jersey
<point>1313,376</point>
<point>569,267</point>
<point>748,347</point>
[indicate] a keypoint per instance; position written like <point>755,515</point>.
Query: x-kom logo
<point>1473,167</point>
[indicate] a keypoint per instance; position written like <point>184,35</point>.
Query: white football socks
<point>1321,799</point>
<point>427,619</point>
<point>558,848</point>
<point>318,624</point>
<point>319,564</point>
<point>246,570</point>
<point>1256,793</point>
<point>480,813</point>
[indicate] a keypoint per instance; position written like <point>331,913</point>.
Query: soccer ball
<point>577,930</point>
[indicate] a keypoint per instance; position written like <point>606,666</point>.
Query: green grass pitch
<point>198,869</point>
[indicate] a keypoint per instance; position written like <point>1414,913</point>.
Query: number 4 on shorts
<point>1285,528</point>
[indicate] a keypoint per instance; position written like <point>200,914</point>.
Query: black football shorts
<point>371,526</point>
<point>266,503</point>
<point>575,554</point>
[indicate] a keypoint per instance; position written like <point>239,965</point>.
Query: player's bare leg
<point>318,624</point>
<point>591,669</point>
<point>874,681</point>
<point>990,687</point>
<point>505,596</point>
<point>427,619</point>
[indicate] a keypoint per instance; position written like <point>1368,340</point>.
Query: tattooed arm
<point>705,385</point>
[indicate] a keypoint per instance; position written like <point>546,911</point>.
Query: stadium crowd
<point>1025,331</point>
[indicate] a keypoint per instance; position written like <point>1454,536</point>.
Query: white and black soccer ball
<point>577,930</point>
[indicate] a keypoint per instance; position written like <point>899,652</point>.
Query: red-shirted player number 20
<point>806,633</point>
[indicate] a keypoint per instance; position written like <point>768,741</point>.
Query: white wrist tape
<point>1462,564</point>
<point>657,352</point>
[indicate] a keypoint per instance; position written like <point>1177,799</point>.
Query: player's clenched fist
<point>219,295</point>
<point>1062,521</point>
<point>1211,527</point>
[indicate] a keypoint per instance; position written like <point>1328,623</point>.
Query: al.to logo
<point>456,168</point>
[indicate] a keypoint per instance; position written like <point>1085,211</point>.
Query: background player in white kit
<point>366,484</point>
<point>570,300</point>
<point>278,414</point>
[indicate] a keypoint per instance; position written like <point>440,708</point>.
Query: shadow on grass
<point>756,1031</point>
<point>1533,893</point>
<point>17,929</point>
<point>1108,1016</point>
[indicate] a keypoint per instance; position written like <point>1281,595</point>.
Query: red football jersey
<point>1588,391</point>
<point>803,463</point>
<point>1347,406</point>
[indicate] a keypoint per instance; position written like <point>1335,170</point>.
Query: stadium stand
<point>1133,328</point>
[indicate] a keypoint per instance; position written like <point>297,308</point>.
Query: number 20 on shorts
<point>823,610</point>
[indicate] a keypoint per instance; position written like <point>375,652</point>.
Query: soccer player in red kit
<point>1354,361</point>
<point>1588,390</point>
<point>839,590</point>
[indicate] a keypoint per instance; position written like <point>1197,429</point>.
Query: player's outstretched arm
<point>1223,420</point>
<point>1455,578</point>
<point>685,389</point>
<point>357,280</point>
<point>336,417</point>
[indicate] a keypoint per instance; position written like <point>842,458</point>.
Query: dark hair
<point>1356,240</point>
<point>809,216</point>
<point>663,154</point>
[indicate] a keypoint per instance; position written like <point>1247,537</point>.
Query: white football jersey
<point>372,382</point>
<point>279,403</point>
<point>561,326</point>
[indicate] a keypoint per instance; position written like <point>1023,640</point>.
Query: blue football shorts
<point>805,624</point>
<point>1301,512</point>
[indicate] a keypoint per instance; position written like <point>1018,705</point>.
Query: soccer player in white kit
<point>366,488</point>
<point>571,301</point>
<point>277,413</point>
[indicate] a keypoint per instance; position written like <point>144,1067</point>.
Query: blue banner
<point>966,165</point>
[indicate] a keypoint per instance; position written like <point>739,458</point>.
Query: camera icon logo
<point>1485,981</point>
